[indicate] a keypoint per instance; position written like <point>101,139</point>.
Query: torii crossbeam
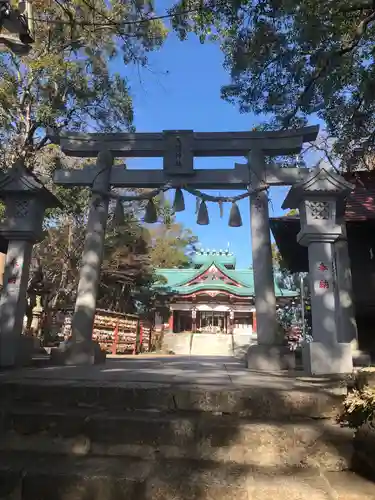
<point>178,149</point>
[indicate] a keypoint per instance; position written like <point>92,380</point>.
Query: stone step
<point>201,437</point>
<point>361,358</point>
<point>272,400</point>
<point>48,477</point>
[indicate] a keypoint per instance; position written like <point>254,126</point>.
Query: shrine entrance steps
<point>96,433</point>
<point>208,344</point>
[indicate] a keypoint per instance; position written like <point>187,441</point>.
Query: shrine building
<point>212,296</point>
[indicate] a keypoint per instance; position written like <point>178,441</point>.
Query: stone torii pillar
<point>26,200</point>
<point>80,349</point>
<point>321,203</point>
<point>348,331</point>
<point>266,354</point>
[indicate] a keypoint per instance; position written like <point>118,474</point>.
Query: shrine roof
<point>213,276</point>
<point>361,202</point>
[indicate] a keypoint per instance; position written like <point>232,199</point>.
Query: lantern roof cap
<point>19,180</point>
<point>320,181</point>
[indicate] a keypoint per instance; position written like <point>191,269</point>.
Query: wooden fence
<point>116,333</point>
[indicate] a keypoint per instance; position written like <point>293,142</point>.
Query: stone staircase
<point>90,441</point>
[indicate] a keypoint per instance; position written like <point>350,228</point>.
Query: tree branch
<point>42,143</point>
<point>340,52</point>
<point>359,6</point>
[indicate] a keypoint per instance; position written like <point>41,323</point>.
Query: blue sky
<point>181,90</point>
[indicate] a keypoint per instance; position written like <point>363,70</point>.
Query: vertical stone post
<point>265,355</point>
<point>81,349</point>
<point>322,286</point>
<point>347,325</point>
<point>321,201</point>
<point>194,320</point>
<point>26,200</point>
<point>13,300</point>
<point>264,287</point>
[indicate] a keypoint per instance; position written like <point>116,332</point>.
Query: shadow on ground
<point>170,428</point>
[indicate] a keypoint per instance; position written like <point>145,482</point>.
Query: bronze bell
<point>203,218</point>
<point>151,215</point>
<point>235,219</point>
<point>179,202</point>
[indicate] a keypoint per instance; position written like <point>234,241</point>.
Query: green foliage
<point>278,261</point>
<point>359,404</point>
<point>131,254</point>
<point>126,269</point>
<point>276,256</point>
<point>293,213</point>
<point>291,59</point>
<point>60,256</point>
<point>71,81</point>
<point>126,264</point>
<point>171,246</point>
<point>69,78</point>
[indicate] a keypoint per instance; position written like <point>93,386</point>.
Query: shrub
<point>359,404</point>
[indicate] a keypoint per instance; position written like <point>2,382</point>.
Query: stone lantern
<point>26,200</point>
<point>321,200</point>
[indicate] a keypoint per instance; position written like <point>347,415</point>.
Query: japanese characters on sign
<point>14,273</point>
<point>323,282</point>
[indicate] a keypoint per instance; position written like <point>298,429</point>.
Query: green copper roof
<point>178,281</point>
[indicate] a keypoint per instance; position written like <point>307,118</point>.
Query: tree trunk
<point>64,272</point>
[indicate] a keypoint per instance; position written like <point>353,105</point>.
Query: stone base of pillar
<point>270,358</point>
<point>28,347</point>
<point>21,352</point>
<point>78,353</point>
<point>361,358</point>
<point>324,359</point>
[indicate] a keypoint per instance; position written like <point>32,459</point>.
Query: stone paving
<point>168,370</point>
<point>175,375</point>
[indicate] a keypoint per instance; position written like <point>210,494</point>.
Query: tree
<point>132,253</point>
<point>126,270</point>
<point>293,213</point>
<point>60,256</point>
<point>171,246</point>
<point>126,264</point>
<point>290,60</point>
<point>67,80</point>
<point>276,256</point>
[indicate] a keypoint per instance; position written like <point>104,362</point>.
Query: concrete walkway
<point>158,370</point>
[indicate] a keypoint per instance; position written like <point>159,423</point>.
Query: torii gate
<point>178,149</point>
